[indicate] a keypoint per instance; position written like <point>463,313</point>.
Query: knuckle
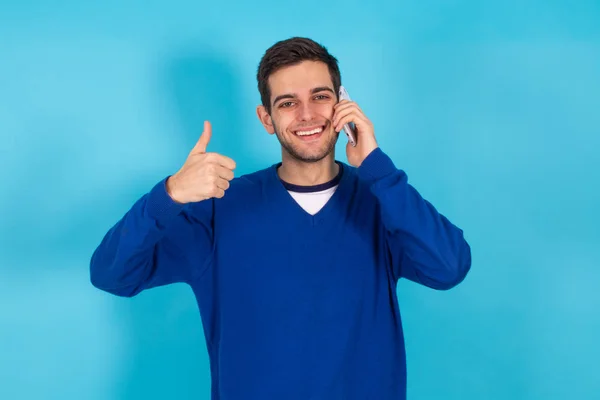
<point>201,158</point>
<point>210,178</point>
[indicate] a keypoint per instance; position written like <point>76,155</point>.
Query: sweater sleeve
<point>157,242</point>
<point>424,246</point>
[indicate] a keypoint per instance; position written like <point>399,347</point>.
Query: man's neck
<point>308,174</point>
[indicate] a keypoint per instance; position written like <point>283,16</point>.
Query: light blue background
<point>492,108</point>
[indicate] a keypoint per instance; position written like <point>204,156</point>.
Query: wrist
<point>376,166</point>
<point>171,186</point>
<point>368,152</point>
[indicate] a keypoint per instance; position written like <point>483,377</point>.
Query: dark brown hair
<point>291,52</point>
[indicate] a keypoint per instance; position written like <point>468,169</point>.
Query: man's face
<point>302,100</point>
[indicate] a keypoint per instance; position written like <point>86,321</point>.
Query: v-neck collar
<point>285,200</point>
<point>313,188</point>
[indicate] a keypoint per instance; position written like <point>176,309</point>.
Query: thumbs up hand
<point>203,175</point>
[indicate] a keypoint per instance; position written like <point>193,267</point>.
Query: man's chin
<point>310,156</point>
<point>307,152</point>
<point>311,160</point>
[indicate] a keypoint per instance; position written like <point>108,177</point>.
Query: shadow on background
<point>167,344</point>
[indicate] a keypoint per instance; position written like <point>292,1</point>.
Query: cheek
<point>281,123</point>
<point>327,111</point>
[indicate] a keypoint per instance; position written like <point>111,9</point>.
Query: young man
<point>294,267</point>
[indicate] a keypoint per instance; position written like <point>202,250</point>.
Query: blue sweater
<point>293,306</point>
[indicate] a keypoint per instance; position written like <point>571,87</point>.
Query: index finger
<point>223,161</point>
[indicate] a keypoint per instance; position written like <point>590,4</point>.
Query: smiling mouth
<point>310,132</point>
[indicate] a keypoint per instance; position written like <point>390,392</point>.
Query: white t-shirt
<point>312,202</point>
<point>313,198</point>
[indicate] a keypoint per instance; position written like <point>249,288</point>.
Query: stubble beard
<point>297,154</point>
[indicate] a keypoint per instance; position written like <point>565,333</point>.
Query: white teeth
<point>306,133</point>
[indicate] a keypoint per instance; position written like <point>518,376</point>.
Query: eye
<point>321,97</point>
<point>286,104</point>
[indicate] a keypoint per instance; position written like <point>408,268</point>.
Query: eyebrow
<point>293,96</point>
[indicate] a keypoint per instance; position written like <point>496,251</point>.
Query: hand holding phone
<point>350,128</point>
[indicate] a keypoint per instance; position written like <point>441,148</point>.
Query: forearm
<point>426,246</point>
<point>126,259</point>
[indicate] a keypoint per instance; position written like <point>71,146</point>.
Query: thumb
<point>202,143</point>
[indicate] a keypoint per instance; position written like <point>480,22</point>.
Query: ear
<point>265,119</point>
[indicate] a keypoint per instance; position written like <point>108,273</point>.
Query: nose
<point>306,112</point>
